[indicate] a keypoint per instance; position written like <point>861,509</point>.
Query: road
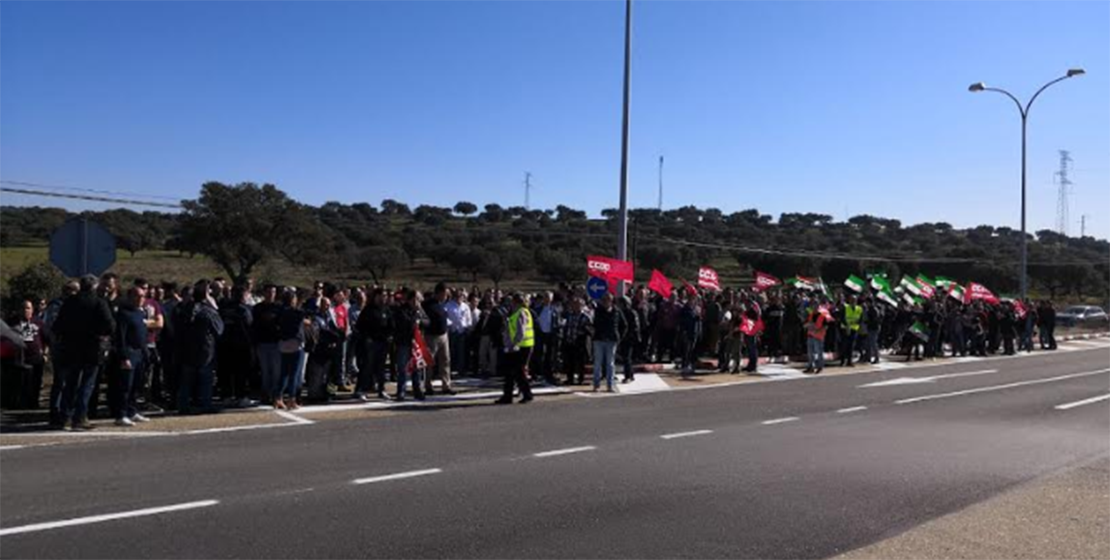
<point>806,468</point>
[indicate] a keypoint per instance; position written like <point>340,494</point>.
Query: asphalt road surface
<point>788,469</point>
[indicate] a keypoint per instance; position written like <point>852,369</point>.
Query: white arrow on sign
<point>916,380</point>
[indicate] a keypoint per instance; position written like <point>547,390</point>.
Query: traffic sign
<point>596,287</point>
<point>81,246</point>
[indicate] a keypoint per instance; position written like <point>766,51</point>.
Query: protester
<point>609,328</point>
<point>435,334</point>
<point>235,348</point>
<point>131,340</point>
<point>518,341</point>
<point>198,329</point>
<point>84,323</point>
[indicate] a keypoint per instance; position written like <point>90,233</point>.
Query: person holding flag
<point>408,318</point>
<point>752,327</point>
<point>815,339</point>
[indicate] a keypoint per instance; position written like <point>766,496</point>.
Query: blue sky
<point>842,108</point>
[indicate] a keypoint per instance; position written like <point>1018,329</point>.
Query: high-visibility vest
<point>528,340</point>
<point>852,316</point>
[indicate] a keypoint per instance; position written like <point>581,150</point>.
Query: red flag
<point>1019,309</point>
<point>612,270</point>
<point>764,281</point>
<point>751,327</point>
<point>824,311</point>
<point>660,285</point>
<point>979,291</point>
<point>690,289</point>
<point>707,278</point>
<point>420,353</point>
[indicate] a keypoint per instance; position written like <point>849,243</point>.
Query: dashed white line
<point>686,434</point>
<point>566,451</point>
<point>779,420</point>
<point>1000,387</point>
<point>106,517</point>
<point>1066,406</point>
<point>395,476</point>
<point>851,409</point>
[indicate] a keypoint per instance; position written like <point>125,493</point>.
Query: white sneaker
<point>139,418</point>
<point>125,422</point>
<point>245,402</point>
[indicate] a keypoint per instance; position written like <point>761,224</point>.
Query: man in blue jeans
<point>131,338</point>
<point>815,340</point>
<point>200,326</point>
<point>83,322</point>
<point>609,327</point>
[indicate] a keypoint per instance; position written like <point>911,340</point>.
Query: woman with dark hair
<point>291,325</point>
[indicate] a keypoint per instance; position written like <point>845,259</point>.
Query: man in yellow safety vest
<point>520,338</point>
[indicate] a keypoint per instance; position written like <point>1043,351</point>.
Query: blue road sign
<point>82,247</point>
<point>596,287</point>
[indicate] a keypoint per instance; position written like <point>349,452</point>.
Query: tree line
<point>242,226</point>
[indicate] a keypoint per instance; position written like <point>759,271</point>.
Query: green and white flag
<point>886,297</point>
<point>942,282</point>
<point>956,292</point>
<point>821,287</point>
<point>800,283</point>
<point>924,280</point>
<point>910,285</point>
<point>855,283</point>
<point>880,283</point>
<point>912,299</point>
<point>918,329</point>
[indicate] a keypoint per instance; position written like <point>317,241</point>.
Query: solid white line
<point>779,420</point>
<point>238,428</point>
<point>11,447</point>
<point>1082,402</point>
<point>965,374</point>
<point>396,476</point>
<point>999,387</point>
<point>564,451</point>
<point>686,434</point>
<point>290,416</point>
<point>851,409</point>
<point>106,517</point>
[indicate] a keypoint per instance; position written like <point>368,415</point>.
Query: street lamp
<point>622,217</point>
<point>1024,110</point>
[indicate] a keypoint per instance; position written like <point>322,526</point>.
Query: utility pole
<point>1083,225</point>
<point>1064,184</point>
<point>622,219</point>
<point>527,190</point>
<point>660,183</point>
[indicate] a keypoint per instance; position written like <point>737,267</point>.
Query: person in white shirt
<point>459,322</point>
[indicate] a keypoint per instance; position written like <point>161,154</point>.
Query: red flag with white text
<point>979,291</point>
<point>420,353</point>
<point>707,278</point>
<point>612,270</point>
<point>764,281</point>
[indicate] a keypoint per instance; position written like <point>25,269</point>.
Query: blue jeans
<point>457,342</point>
<point>753,353</point>
<point>269,362</point>
<point>604,351</point>
<point>291,376</point>
<point>873,345</point>
<point>121,389</point>
<point>195,380</point>
<point>79,385</point>
<point>404,355</point>
<point>816,351</point>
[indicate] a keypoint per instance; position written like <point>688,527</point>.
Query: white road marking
<point>564,451</point>
<point>290,416</point>
<point>11,447</point>
<point>396,476</point>
<point>779,420</point>
<point>686,434</point>
<point>851,409</point>
<point>106,517</point>
<point>238,428</point>
<point>1082,402</point>
<point>931,379</point>
<point>1000,387</point>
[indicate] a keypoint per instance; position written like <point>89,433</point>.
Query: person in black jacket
<point>83,322</point>
<point>609,328</point>
<point>375,327</point>
<point>131,337</point>
<point>631,340</point>
<point>407,319</point>
<point>198,328</point>
<point>234,349</point>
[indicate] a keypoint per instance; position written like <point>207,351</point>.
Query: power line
<point>79,189</point>
<point>91,197</point>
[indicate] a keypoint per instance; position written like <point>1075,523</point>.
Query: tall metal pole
<point>1024,240</point>
<point>622,218</point>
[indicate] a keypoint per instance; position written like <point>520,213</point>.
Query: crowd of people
<point>217,344</point>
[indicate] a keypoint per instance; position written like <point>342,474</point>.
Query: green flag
<point>855,283</point>
<point>880,283</point>
<point>910,285</point>
<point>886,297</point>
<point>925,280</point>
<point>800,283</point>
<point>918,329</point>
<point>955,291</point>
<point>942,282</point>
<point>912,299</point>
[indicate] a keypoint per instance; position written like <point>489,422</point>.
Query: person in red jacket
<point>815,339</point>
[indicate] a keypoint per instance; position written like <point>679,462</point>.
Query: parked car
<point>1087,316</point>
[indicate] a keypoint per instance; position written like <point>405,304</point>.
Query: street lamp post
<point>622,217</point>
<point>1024,110</point>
